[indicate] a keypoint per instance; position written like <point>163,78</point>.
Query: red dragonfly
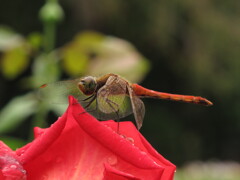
<point>112,97</point>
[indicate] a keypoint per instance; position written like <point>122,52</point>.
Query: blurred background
<point>183,47</point>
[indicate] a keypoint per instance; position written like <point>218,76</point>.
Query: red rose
<point>77,146</point>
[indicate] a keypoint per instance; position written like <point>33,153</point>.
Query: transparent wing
<point>112,100</point>
<point>58,92</point>
<point>138,107</point>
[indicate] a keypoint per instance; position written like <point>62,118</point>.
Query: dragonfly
<point>112,97</point>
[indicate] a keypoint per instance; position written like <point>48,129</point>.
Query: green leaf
<point>75,62</point>
<point>35,40</point>
<point>9,39</point>
<point>15,53</point>
<point>95,54</point>
<point>13,142</point>
<point>120,57</point>
<point>16,111</point>
<point>77,54</point>
<point>15,61</point>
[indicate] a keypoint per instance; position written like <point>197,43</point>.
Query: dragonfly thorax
<point>87,85</point>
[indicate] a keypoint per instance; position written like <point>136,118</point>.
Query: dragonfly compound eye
<point>87,85</point>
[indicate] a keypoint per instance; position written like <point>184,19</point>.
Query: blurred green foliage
<point>16,53</point>
<point>193,48</point>
<point>209,171</point>
<point>96,54</point>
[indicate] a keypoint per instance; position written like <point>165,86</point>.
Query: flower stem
<point>50,14</point>
<point>49,36</point>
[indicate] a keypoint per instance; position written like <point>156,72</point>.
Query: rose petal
<point>170,168</point>
<point>136,154</point>
<point>41,144</point>
<point>111,173</point>
<point>38,131</point>
<point>10,165</point>
<point>108,138</point>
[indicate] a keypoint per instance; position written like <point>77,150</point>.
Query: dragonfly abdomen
<point>144,92</point>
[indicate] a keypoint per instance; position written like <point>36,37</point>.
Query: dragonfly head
<point>87,85</point>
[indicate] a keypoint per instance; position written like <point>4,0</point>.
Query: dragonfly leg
<point>91,100</point>
<point>89,103</point>
<point>88,97</point>
<point>92,110</point>
<point>110,103</point>
<point>85,100</point>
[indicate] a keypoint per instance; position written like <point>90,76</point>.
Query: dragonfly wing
<point>112,101</point>
<point>58,92</point>
<point>137,107</point>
